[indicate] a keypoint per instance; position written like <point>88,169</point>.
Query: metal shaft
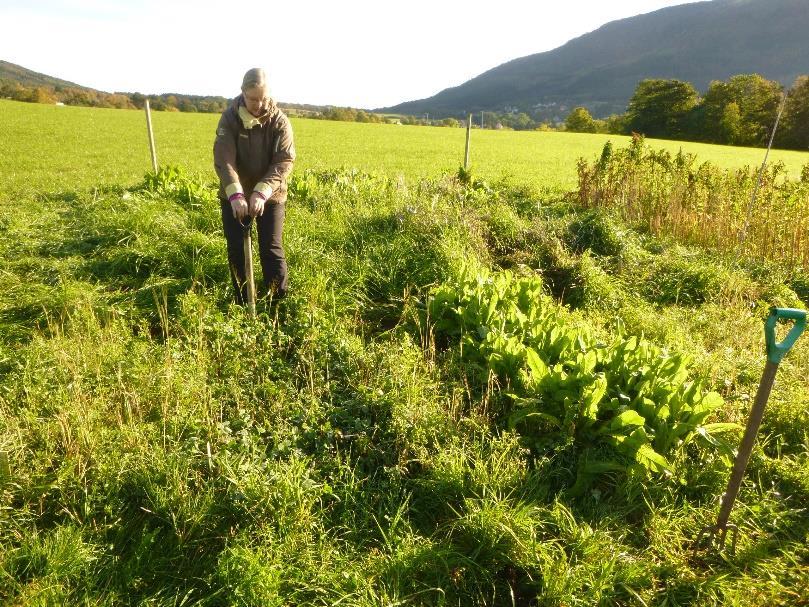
<point>248,270</point>
<point>746,448</point>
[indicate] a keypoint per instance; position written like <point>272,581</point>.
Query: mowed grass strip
<point>50,148</point>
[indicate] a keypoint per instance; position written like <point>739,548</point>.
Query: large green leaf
<point>623,422</point>
<point>588,362</point>
<point>637,446</point>
<point>708,403</point>
<point>651,459</point>
<point>592,397</point>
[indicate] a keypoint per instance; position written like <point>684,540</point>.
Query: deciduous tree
<point>730,125</point>
<point>756,100</point>
<point>795,130</point>
<point>580,121</point>
<point>659,107</point>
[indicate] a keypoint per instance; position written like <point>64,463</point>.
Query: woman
<point>253,155</point>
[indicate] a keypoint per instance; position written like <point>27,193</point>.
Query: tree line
<point>174,102</point>
<point>171,102</point>
<point>738,111</point>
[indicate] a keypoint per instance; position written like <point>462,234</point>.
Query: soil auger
<point>249,279</point>
<point>715,536</point>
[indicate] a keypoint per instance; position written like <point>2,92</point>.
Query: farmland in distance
<point>68,148</point>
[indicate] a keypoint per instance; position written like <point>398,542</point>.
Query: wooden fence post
<point>151,135</point>
<point>468,133</point>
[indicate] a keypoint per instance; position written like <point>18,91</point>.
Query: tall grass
<point>702,204</point>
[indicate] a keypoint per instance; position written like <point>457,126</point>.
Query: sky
<point>358,53</point>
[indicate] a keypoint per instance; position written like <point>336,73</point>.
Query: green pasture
<point>68,148</point>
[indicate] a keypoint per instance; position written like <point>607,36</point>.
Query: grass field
<point>476,393</point>
<point>65,148</point>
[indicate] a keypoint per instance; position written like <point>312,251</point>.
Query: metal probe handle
<point>247,243</point>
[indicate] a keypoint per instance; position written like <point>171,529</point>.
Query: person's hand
<point>257,201</point>
<point>238,205</point>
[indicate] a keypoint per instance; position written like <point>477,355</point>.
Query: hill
<point>20,83</point>
<point>26,77</point>
<point>696,42</point>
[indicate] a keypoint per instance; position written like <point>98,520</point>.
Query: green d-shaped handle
<point>776,351</point>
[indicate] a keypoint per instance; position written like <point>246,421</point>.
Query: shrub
<point>675,280</point>
<point>596,231</point>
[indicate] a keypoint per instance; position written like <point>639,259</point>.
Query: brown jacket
<point>255,159</point>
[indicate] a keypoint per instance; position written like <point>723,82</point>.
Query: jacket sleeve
<point>224,156</point>
<point>274,183</point>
